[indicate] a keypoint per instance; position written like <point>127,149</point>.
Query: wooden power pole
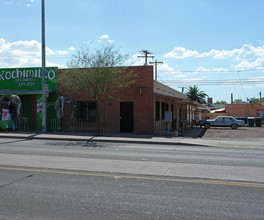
<point>156,68</point>
<point>146,56</point>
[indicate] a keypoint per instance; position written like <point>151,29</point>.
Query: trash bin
<point>251,121</point>
<point>258,122</point>
<point>244,119</point>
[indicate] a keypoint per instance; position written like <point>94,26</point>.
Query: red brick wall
<point>143,103</point>
<point>244,110</point>
<point>238,110</point>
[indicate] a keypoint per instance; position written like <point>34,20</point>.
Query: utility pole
<point>146,56</point>
<point>44,107</point>
<point>156,68</point>
<point>182,87</point>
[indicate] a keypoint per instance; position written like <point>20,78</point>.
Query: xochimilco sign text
<point>27,78</point>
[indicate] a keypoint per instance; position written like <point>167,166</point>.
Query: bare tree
<point>98,73</point>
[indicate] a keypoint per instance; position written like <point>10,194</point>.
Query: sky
<point>216,45</point>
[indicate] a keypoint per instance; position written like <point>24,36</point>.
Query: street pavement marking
<point>120,176</point>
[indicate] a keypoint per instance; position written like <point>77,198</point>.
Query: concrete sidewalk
<point>189,139</point>
<point>183,170</point>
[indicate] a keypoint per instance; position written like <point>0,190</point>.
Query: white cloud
<point>193,80</point>
<point>105,36</point>
<point>62,52</point>
<point>110,41</point>
<point>246,65</point>
<point>181,53</point>
<point>165,68</point>
<point>217,54</point>
<point>134,60</point>
<point>246,52</point>
<point>202,69</point>
<point>220,70</point>
<point>72,48</point>
<point>225,54</point>
<point>30,4</point>
<point>21,53</point>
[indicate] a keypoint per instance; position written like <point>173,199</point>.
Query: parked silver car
<point>223,121</point>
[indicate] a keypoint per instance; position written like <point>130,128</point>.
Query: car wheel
<point>234,126</point>
<point>207,126</point>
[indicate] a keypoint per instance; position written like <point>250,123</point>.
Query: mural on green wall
<point>53,123</point>
<point>39,112</point>
<point>28,81</point>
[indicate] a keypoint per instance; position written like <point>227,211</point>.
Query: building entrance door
<point>126,117</point>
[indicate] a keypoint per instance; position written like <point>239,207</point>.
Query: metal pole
<point>43,67</point>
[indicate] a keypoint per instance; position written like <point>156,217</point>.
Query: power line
<point>211,71</point>
<point>227,81</point>
<point>241,84</point>
<point>211,83</point>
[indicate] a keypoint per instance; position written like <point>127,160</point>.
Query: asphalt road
<point>31,187</point>
<point>71,195</point>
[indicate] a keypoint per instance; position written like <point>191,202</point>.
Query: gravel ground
<point>240,133</point>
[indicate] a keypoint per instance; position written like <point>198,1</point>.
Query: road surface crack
<point>16,181</point>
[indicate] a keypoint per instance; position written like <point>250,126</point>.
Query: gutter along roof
<point>168,92</point>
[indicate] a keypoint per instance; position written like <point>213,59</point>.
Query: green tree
<point>98,73</point>
<point>193,93</point>
<point>221,102</point>
<point>255,100</point>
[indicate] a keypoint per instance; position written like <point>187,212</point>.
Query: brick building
<point>130,110</point>
<point>140,108</point>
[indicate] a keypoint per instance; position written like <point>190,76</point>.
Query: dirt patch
<point>240,133</point>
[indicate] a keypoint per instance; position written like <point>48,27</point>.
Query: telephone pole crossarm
<point>156,68</point>
<point>146,56</point>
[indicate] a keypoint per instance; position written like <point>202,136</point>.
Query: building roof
<point>161,89</point>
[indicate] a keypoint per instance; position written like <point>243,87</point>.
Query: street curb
<point>95,139</point>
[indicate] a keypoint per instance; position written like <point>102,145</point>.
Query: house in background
<point>238,109</point>
<point>245,110</point>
